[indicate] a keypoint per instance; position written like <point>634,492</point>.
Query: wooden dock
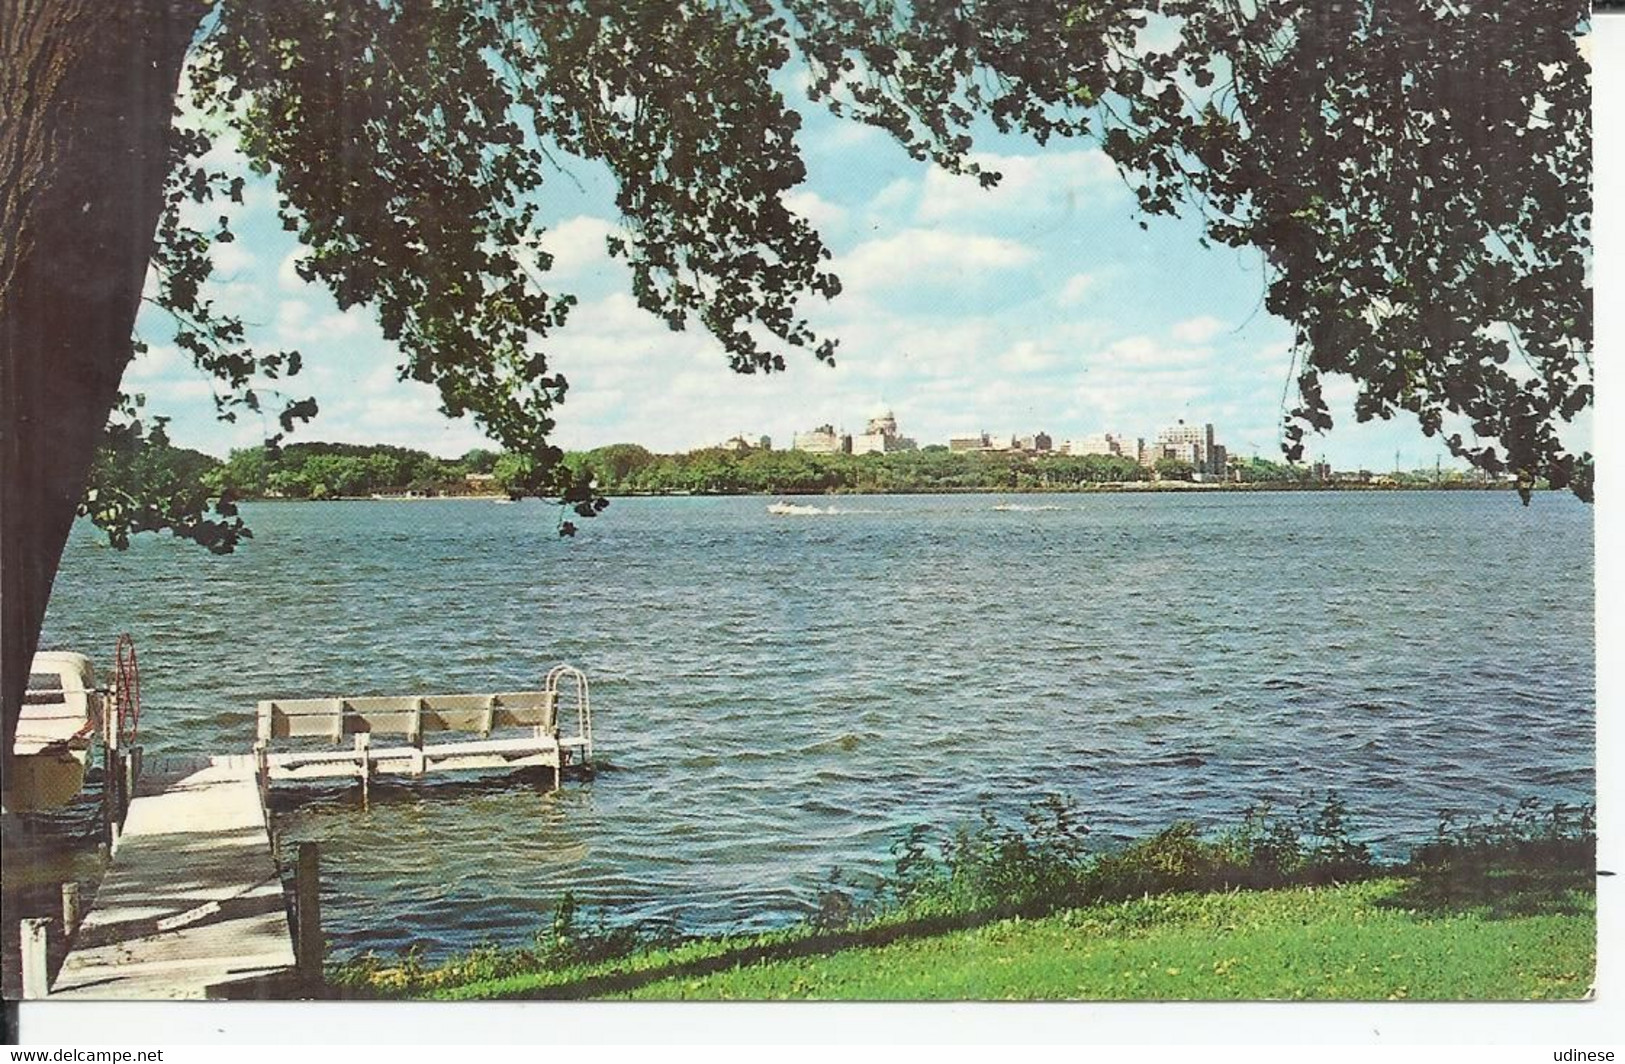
<point>192,905</point>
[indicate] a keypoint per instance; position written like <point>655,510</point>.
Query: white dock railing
<point>556,677</point>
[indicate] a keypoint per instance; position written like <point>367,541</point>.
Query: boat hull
<point>39,783</point>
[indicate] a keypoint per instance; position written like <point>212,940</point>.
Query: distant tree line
<point>342,470</point>
<point>627,469</point>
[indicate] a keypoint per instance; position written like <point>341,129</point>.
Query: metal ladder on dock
<point>559,675</point>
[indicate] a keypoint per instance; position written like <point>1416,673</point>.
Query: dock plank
<point>193,901</point>
<point>416,760</point>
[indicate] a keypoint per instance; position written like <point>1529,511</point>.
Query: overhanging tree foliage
<point>1415,173</point>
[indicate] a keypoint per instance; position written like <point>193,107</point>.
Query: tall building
<point>742,442</point>
<point>1037,443</point>
<point>1101,443</point>
<point>1188,443</point>
<point>968,442</point>
<point>822,440</point>
<point>881,437</point>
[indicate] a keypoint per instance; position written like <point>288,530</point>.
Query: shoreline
<point>1111,488</point>
<point>1226,915</point>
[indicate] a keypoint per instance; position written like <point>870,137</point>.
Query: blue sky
<point>1037,306</point>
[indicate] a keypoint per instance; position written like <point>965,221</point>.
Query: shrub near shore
<point>1494,907</point>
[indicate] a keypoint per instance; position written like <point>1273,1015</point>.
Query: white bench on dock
<point>411,718</point>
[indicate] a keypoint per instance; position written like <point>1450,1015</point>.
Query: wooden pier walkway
<point>193,905</point>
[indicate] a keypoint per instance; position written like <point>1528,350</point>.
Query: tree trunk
<point>87,90</point>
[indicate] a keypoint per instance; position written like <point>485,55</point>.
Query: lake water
<point>779,696</point>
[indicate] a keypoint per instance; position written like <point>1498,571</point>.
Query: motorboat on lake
<point>782,508</point>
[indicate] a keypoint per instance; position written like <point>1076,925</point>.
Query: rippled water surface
<point>777,696</point>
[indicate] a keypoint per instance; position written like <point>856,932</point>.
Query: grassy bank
<point>1363,941</point>
<point>1278,908</point>
<point>1348,942</point>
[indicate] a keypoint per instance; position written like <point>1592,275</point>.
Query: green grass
<point>1358,942</point>
<point>1282,906</point>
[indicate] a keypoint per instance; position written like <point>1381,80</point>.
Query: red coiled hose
<point>127,691</point>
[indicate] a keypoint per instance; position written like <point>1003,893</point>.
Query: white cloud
<point>1142,352</point>
<point>260,195</point>
<point>823,214</point>
<point>846,136</point>
<point>878,345</point>
<point>892,200</point>
<point>187,390</point>
<point>1160,33</point>
<point>1054,182</point>
<point>245,297</point>
<point>1143,401</point>
<point>1077,286</point>
<point>918,255</point>
<point>156,362</point>
<point>1338,390</point>
<point>287,276</point>
<point>297,322</point>
<point>409,405</point>
<point>341,324</point>
<point>1197,330</point>
<point>672,392</point>
<point>577,245</point>
<point>1027,356</point>
<point>407,417</point>
<point>231,258</point>
<point>792,81</point>
<point>380,380</point>
<point>613,338</point>
<point>292,316</point>
<point>1278,355</point>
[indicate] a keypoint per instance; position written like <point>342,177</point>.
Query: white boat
<point>1017,507</point>
<point>783,508</point>
<point>61,720</point>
